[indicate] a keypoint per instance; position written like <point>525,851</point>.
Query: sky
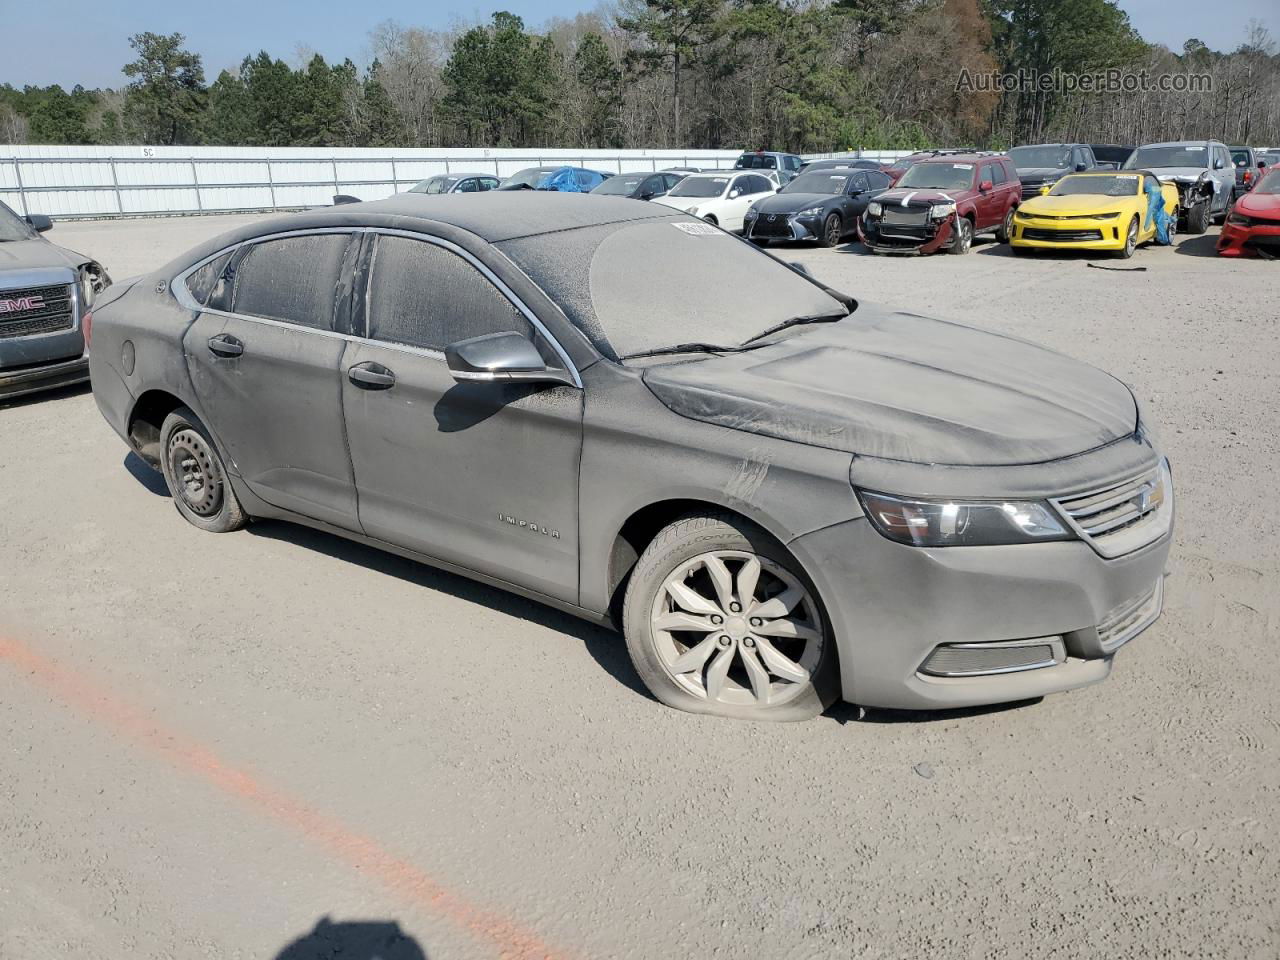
<point>90,37</point>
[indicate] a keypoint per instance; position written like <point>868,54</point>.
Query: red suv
<point>944,201</point>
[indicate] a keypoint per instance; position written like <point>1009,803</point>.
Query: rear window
<point>697,284</point>
<point>293,279</point>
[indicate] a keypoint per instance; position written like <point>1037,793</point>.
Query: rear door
<point>990,201</point>
<point>482,475</point>
<point>264,356</point>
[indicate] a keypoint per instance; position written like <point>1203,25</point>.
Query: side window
<point>763,185</point>
<point>422,295</point>
<point>988,173</point>
<point>878,180</point>
<point>488,183</point>
<point>585,179</point>
<point>858,183</point>
<point>202,282</point>
<point>293,279</point>
<point>468,186</point>
<point>793,163</point>
<point>655,185</point>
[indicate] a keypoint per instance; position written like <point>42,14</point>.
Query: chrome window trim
<point>178,287</point>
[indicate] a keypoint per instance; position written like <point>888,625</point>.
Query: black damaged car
<point>822,205</point>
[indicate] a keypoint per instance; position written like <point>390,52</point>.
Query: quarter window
<point>423,295</point>
<point>202,282</point>
<point>294,279</point>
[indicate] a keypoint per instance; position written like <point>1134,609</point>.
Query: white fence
<point>88,182</point>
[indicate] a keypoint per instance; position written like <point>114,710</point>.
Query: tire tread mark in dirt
<point>83,695</point>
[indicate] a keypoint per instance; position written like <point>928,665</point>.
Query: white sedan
<point>722,198</point>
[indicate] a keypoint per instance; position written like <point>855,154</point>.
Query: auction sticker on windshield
<point>700,229</point>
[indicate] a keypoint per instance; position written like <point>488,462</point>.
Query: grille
<point>1060,236</point>
<point>909,217</point>
<point>1123,516</point>
<point>1130,618</point>
<point>978,659</point>
<point>35,310</point>
<point>772,225</point>
<point>1030,190</point>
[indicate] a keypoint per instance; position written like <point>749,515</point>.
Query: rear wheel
<point>832,231</point>
<point>963,238</point>
<point>720,619</point>
<point>1005,230</point>
<point>1130,241</point>
<point>195,475</point>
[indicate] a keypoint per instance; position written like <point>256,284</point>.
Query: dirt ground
<point>213,746</point>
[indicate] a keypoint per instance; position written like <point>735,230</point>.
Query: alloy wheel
<point>833,230</point>
<point>198,481</point>
<point>737,628</point>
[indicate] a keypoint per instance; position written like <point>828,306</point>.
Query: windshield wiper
<point>796,322</point>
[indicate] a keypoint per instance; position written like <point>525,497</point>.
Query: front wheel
<point>832,231</point>
<point>720,619</point>
<point>1130,241</point>
<point>1198,218</point>
<point>963,239</point>
<point>195,475</point>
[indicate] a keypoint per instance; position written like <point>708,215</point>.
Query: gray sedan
<point>45,295</point>
<point>781,496</point>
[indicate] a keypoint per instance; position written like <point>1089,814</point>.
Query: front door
<point>264,361</point>
<point>483,475</point>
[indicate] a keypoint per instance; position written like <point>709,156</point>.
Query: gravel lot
<point>208,744</point>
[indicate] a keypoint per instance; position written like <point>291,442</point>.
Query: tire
<point>195,475</point>
<point>711,219</point>
<point>1005,229</point>
<point>832,231</point>
<point>1130,241</point>
<point>1198,218</point>
<point>963,239</point>
<point>735,673</point>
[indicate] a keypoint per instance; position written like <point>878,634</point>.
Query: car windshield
<point>938,176</point>
<point>756,161</point>
<point>1144,158</point>
<point>12,226</point>
<point>818,182</point>
<point>440,184</point>
<point>1025,158</point>
<point>714,289</point>
<point>1120,185</point>
<point>533,177</point>
<point>619,186</point>
<point>1269,184</point>
<point>700,187</point>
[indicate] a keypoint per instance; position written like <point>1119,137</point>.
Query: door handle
<point>371,376</point>
<point>225,345</point>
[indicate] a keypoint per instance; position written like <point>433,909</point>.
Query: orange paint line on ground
<point>366,855</point>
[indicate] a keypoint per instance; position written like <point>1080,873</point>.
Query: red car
<point>1253,226</point>
<point>903,164</point>
<point>943,202</point>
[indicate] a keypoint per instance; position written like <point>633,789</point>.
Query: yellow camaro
<point>1106,210</point>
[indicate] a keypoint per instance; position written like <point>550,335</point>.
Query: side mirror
<point>734,194</point>
<point>39,222</point>
<point>1217,164</point>
<point>1044,191</point>
<point>1081,167</point>
<point>648,195</point>
<point>985,185</point>
<point>497,357</point>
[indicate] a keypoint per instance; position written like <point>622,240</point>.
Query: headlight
<point>1239,219</point>
<point>941,211</point>
<point>943,523</point>
<point>811,212</point>
<point>751,214</point>
<point>86,290</point>
<point>874,209</point>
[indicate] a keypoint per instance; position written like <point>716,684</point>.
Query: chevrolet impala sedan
<point>780,495</point>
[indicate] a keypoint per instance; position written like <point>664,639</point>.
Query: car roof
<point>963,158</point>
<point>1179,143</point>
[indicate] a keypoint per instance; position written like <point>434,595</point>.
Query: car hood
<point>904,387</point>
<point>1179,173</point>
<point>1041,174</point>
<point>904,195</point>
<point>1259,204</point>
<point>791,202</point>
<point>35,261</point>
<point>1072,204</point>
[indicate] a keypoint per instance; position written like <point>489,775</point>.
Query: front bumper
<point>1075,234</point>
<point>930,237</point>
<point>893,606</point>
<point>20,381</point>
<point>784,228</point>
<point>1249,241</point>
